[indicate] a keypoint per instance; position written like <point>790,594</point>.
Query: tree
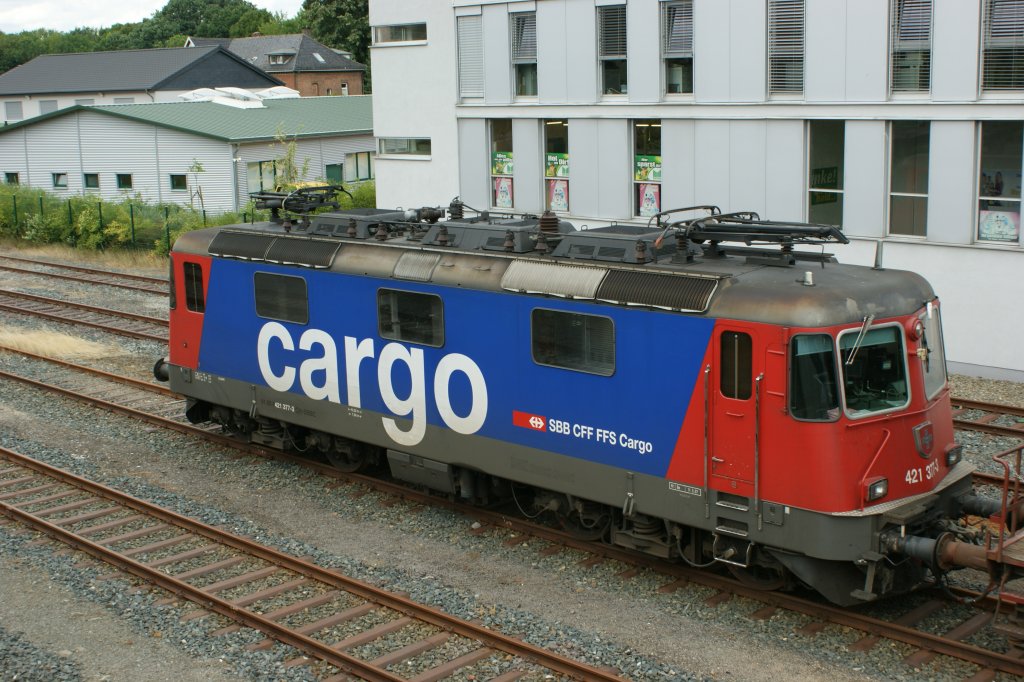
<point>343,24</point>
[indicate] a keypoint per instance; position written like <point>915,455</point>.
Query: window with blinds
<point>471,56</point>
<point>677,45</point>
<point>785,47</point>
<point>611,48</point>
<point>1003,45</point>
<point>910,45</point>
<point>524,53</point>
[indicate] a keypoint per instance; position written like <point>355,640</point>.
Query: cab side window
<point>736,352</point>
<point>195,299</point>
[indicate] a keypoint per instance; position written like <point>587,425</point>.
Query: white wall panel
<point>581,51</point>
<point>864,201</point>
<point>584,167</point>
<point>13,157</point>
<point>474,168</point>
<point>711,163</point>
<point>615,174</point>
<point>747,44</point>
<point>867,49</point>
<point>497,55</point>
<point>952,182</point>
<point>956,30</point>
<point>552,73</point>
<point>529,162</point>
<point>785,198</point>
<point>825,50</point>
<point>176,152</point>
<point>678,163</point>
<point>53,148</point>
<point>643,36</point>
<point>113,145</point>
<point>712,51</point>
<point>747,164</point>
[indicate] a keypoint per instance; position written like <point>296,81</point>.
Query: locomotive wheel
<point>347,456</point>
<point>588,524</point>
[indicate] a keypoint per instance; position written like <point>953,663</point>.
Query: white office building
<point>900,120</point>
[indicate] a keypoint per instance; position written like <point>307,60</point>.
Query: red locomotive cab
<point>190,276</point>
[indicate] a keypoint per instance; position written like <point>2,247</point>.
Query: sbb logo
<point>529,421</point>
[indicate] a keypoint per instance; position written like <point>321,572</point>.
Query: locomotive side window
<point>874,370</point>
<point>813,390</point>
<point>281,297</point>
<point>410,317</point>
<point>585,343</point>
<point>736,365</point>
<point>194,299</point>
<point>935,361</point>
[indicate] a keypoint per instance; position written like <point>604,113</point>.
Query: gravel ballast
<point>589,613</point>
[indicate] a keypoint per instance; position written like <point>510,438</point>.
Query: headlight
<point>877,489</point>
<point>953,455</point>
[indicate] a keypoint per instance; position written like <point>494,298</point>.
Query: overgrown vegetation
<point>32,215</point>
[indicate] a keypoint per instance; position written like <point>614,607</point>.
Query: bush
<point>364,195</point>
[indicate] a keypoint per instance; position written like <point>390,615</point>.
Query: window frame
<point>679,49</point>
<point>469,55</point>
<point>584,368</point>
<point>51,105</point>
<point>57,182</point>
<point>839,191</point>
<point>266,315</point>
<point>382,34</point>
<point>413,144</point>
<point>550,175</point>
<point>609,35</point>
<point>1010,37</point>
<point>120,181</point>
<point>791,375</point>
<point>184,180</point>
<point>737,369</point>
<point>652,172</point>
<point>523,51</point>
<point>355,167</point>
<point>12,175</point>
<point>911,43</point>
<point>787,44</point>
<point>14,106</point>
<point>88,178</point>
<point>438,325</point>
<point>902,356</point>
<point>912,195</point>
<point>502,170</point>
<point>1017,201</point>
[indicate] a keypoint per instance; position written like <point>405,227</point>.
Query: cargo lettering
<point>319,379</point>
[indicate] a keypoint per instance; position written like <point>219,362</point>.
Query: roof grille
<point>685,293</point>
<point>241,245</point>
<point>571,281</point>
<point>416,266</point>
<point>299,251</point>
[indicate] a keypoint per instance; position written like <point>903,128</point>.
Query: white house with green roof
<point>155,151</point>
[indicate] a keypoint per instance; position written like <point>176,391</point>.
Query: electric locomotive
<point>699,388</point>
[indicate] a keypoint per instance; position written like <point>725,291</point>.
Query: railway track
<point>119,322</point>
<point>235,577</point>
<point>905,628</point>
<point>121,280</point>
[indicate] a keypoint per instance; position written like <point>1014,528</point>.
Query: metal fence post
<point>204,217</point>
<point>131,220</point>
<point>14,204</point>
<point>99,207</point>
<point>71,216</point>
<point>167,228</point>
<point>41,212</point>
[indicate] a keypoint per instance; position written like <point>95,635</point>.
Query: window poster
<point>999,226</point>
<point>558,195</point>
<point>556,165</point>
<point>646,168</point>
<point>501,163</point>
<point>503,192</point>
<point>648,198</point>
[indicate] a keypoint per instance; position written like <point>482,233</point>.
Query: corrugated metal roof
<point>113,71</point>
<point>571,281</point>
<point>295,117</point>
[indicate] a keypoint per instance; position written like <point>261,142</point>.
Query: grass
<point>54,344</point>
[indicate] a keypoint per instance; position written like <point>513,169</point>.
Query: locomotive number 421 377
<point>919,475</point>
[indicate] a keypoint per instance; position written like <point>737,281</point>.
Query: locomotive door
<point>733,407</point>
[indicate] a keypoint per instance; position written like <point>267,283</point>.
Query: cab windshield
<point>874,370</point>
<point>813,392</point>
